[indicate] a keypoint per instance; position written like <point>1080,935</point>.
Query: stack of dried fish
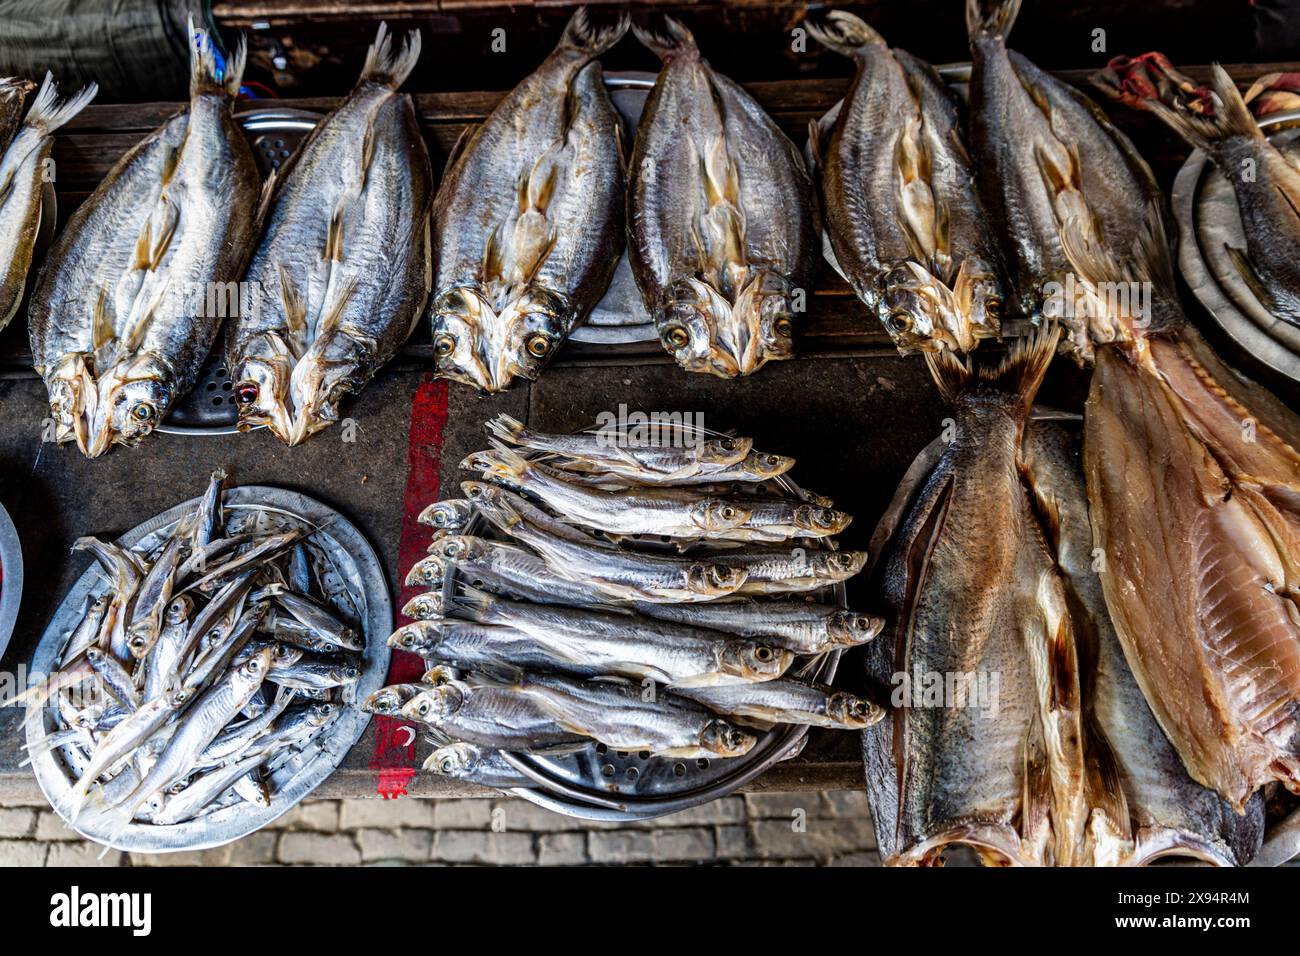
<point>25,172</point>
<point>557,631</point>
<point>528,221</point>
<point>720,217</point>
<point>120,322</point>
<point>903,224</point>
<point>219,650</point>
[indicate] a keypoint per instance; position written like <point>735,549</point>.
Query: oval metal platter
<point>1209,221</point>
<point>11,578</point>
<point>605,785</point>
<point>360,576</point>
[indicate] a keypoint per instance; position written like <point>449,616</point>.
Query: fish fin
<point>265,198</point>
<point>1036,797</point>
<point>386,66</point>
<point>295,310</point>
<point>996,17</point>
<point>1241,262</point>
<point>843,32</point>
<point>509,461</point>
<point>457,148</point>
<point>593,40</point>
<point>205,73</point>
<point>102,332</point>
<point>48,112</point>
<point>1020,373</point>
<point>508,429</point>
<point>333,251</point>
<point>672,42</point>
<point>475,602</point>
<point>163,242</point>
<point>560,749</point>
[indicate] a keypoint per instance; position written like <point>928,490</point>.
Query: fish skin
<point>344,268</point>
<point>24,174</point>
<point>1269,199</point>
<point>1201,559</point>
<point>475,764</point>
<point>721,235</point>
<point>14,91</point>
<point>972,588</point>
<point>898,200</point>
<point>787,701</point>
<point>528,221</point>
<point>118,330</point>
<point>1144,804</point>
<point>1051,168</point>
<point>801,626</point>
<point>489,716</point>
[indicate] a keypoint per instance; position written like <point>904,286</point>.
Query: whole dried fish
<point>14,91</point>
<point>804,627</point>
<point>720,217</point>
<point>787,701</point>
<point>25,171</point>
<point>475,764</point>
<point>489,716</point>
<point>120,323</point>
<point>898,198</point>
<point>344,268</point>
<point>528,221</point>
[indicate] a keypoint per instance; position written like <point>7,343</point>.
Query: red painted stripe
<point>394,756</point>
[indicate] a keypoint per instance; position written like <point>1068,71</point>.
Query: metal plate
<point>602,784</point>
<point>11,578</point>
<point>360,575</point>
<point>209,408</point>
<point>620,317</point>
<point>1208,219</point>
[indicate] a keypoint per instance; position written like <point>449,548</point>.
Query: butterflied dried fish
<point>528,221</point>
<point>1265,181</point>
<point>975,597</point>
<point>344,267</point>
<point>25,171</point>
<point>1051,168</point>
<point>1143,803</point>
<point>119,320</point>
<point>720,217</point>
<point>898,198</point>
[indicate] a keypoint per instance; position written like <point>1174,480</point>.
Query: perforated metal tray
<point>11,578</point>
<point>360,575</point>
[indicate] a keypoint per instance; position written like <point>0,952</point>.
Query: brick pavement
<point>751,830</point>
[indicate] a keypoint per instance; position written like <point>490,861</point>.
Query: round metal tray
<point>11,578</point>
<point>606,785</point>
<point>209,408</point>
<point>361,576</point>
<point>1208,218</point>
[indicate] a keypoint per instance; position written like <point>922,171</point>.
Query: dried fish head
<point>388,701</point>
<point>422,607</point>
<point>427,572</point>
<point>262,384</point>
<point>719,514</point>
<point>131,401</point>
<point>433,703</point>
<point>723,739</point>
<point>849,628</point>
<point>712,579</point>
<point>449,515</point>
<point>852,712</point>
<point>911,305</point>
<point>330,370</point>
<point>754,661</point>
<point>454,760</point>
<point>821,521</point>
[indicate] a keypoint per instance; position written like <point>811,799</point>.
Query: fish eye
<point>452,549</point>
<point>993,306</point>
<point>734,738</point>
<point>772,460</point>
<point>444,345</point>
<point>825,516</point>
<point>423,709</point>
<point>728,444</point>
<point>246,393</point>
<point>677,337</point>
<point>447,765</point>
<point>728,512</point>
<point>763,654</point>
<point>861,622</point>
<point>538,345</point>
<point>143,412</point>
<point>784,328</point>
<point>327,708</point>
<point>900,321</point>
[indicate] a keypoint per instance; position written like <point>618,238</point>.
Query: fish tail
<point>1020,373</point>
<point>1202,116</point>
<point>843,32</point>
<point>508,461</point>
<point>387,66</point>
<point>508,429</point>
<point>592,39</point>
<point>48,112</point>
<point>475,602</point>
<point>206,74</point>
<point>673,41</point>
<point>991,17</point>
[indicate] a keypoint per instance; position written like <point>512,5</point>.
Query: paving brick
<point>562,849</point>
<point>218,856</point>
<point>325,849</point>
<point>693,844</point>
<point>406,845</point>
<point>865,858</point>
<point>734,842</point>
<point>621,846</point>
<point>726,810</point>
<point>847,803</point>
<point>521,815</point>
<point>255,849</point>
<point>483,846</point>
<point>84,853</point>
<point>769,805</point>
<point>22,853</point>
<point>387,814</point>
<point>321,815</point>
<point>776,839</point>
<point>16,821</point>
<point>467,814</point>
<point>51,828</point>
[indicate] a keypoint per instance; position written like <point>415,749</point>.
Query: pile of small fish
<point>559,630</point>
<point>219,651</point>
<point>25,145</point>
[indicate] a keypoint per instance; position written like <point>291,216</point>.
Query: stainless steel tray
<point>11,578</point>
<point>1208,219</point>
<point>359,575</point>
